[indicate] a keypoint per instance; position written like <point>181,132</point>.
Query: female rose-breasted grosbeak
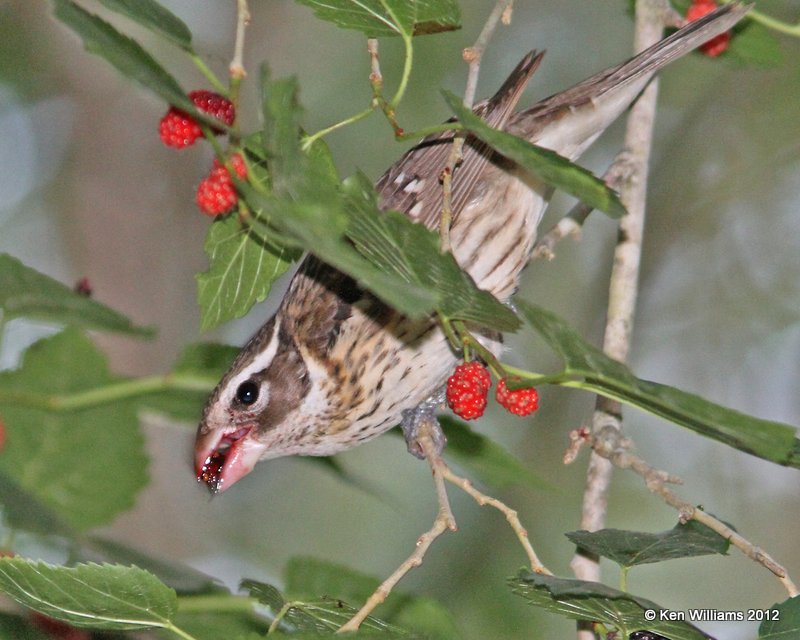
<point>334,366</point>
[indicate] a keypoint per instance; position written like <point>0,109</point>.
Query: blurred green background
<point>87,189</point>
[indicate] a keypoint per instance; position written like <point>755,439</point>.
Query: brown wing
<point>318,301</point>
<point>412,186</point>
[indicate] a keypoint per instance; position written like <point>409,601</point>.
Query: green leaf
<point>631,548</point>
<point>107,597</point>
<point>222,624</point>
<point>490,462</point>
<point>436,16</point>
<point>265,593</point>
<point>125,54</point>
<point>385,252</point>
<point>205,359</point>
<point>241,271</point>
<point>374,18</point>
<point>18,628</point>
<point>592,601</point>
<point>156,18</point>
<point>306,207</point>
<point>86,465</point>
<point>589,368</point>
<point>27,293</point>
<point>22,510</point>
<point>410,251</point>
<point>783,622</point>
<point>295,174</point>
<point>181,577</point>
<point>281,112</point>
<point>310,225</point>
<point>377,18</point>
<point>307,578</point>
<point>202,365</point>
<point>554,169</point>
<point>317,617</point>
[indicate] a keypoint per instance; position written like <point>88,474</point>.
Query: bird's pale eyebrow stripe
<point>260,362</point>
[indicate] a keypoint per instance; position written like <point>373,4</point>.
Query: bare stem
<point>376,82</point>
<point>673,19</point>
<point>482,499</point>
<point>611,446</point>
<point>446,217</point>
<point>572,222</point>
<point>750,550</point>
<point>375,76</point>
<point>624,280</point>
<point>472,56</point>
<point>444,521</point>
<point>242,20</point>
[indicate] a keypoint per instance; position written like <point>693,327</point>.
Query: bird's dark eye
<point>247,393</point>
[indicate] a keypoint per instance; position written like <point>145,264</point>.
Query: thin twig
<point>242,20</point>
<point>571,224</point>
<point>376,82</point>
<point>577,439</point>
<point>788,28</point>
<point>482,499</point>
<point>378,102</point>
<point>472,56</point>
<point>375,76</point>
<point>237,74</point>
<point>673,19</point>
<point>446,178</point>
<point>750,550</point>
<point>624,281</point>
<point>444,521</point>
<point>610,445</point>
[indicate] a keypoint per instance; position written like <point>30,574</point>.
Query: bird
<point>334,366</point>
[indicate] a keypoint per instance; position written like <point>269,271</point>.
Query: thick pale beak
<point>221,459</point>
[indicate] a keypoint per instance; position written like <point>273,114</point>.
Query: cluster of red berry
<point>216,193</point>
<point>468,388</point>
<point>716,45</point>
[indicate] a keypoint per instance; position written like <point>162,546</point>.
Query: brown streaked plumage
<point>335,366</point>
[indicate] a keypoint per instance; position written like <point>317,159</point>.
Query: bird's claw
<point>424,415</point>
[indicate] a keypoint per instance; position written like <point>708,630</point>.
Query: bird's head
<point>256,410</point>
